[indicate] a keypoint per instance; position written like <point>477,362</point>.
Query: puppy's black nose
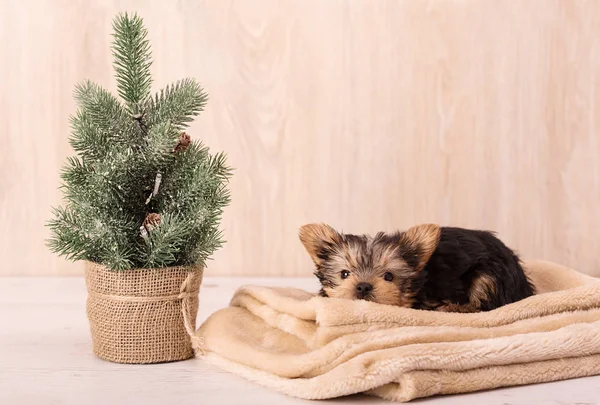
<point>363,289</point>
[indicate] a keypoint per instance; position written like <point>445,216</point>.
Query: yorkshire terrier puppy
<point>426,267</point>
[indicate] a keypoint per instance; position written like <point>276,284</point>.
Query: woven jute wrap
<point>143,315</point>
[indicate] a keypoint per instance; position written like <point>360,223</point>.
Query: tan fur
<point>460,308</point>
<point>346,288</point>
<point>313,235</point>
<point>367,259</point>
<point>383,292</point>
<point>388,293</point>
<point>481,289</point>
<point>425,237</point>
<point>385,257</point>
<point>351,254</point>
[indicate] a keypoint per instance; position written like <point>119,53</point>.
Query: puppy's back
<point>474,270</point>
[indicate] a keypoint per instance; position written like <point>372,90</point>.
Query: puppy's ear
<point>319,241</point>
<point>418,244</point>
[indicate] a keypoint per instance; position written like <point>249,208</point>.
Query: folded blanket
<point>316,348</point>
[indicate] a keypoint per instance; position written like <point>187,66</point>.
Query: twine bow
<point>186,309</point>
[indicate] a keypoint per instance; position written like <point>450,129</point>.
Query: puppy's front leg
<point>462,308</point>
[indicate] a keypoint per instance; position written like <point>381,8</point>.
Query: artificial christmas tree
<point>143,206</point>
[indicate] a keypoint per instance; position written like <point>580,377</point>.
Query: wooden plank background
<point>369,115</point>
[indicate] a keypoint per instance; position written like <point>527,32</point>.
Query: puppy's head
<point>383,269</point>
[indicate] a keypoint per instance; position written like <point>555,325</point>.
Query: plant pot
<point>141,316</point>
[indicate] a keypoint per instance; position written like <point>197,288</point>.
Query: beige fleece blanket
<point>315,348</point>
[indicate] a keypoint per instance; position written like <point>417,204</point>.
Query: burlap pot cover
<point>142,315</point>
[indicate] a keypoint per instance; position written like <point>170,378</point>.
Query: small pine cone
<point>183,142</point>
<point>152,220</point>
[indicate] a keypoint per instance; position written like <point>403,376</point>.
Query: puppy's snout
<point>363,289</point>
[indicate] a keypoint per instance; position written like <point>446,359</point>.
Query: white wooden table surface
<point>46,358</point>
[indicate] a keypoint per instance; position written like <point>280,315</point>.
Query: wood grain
<point>366,115</point>
<point>54,355</point>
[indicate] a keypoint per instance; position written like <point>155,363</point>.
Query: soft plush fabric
<point>312,347</point>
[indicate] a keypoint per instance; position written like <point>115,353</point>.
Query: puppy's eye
<point>345,273</point>
<point>388,276</point>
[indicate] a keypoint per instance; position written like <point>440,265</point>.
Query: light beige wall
<point>369,115</point>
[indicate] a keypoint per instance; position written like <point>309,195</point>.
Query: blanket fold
<point>316,348</point>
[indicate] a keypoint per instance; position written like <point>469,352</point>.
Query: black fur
<point>461,256</point>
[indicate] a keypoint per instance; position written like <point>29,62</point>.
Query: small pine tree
<point>140,192</point>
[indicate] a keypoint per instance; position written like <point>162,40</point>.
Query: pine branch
<point>101,124</point>
<point>102,108</point>
<point>162,139</point>
<point>76,172</point>
<point>193,179</point>
<point>68,236</point>
<point>196,189</point>
<point>207,237</point>
<point>132,60</point>
<point>203,245</point>
<point>177,103</point>
<point>166,240</point>
<point>79,236</point>
<point>219,168</point>
<point>89,140</point>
